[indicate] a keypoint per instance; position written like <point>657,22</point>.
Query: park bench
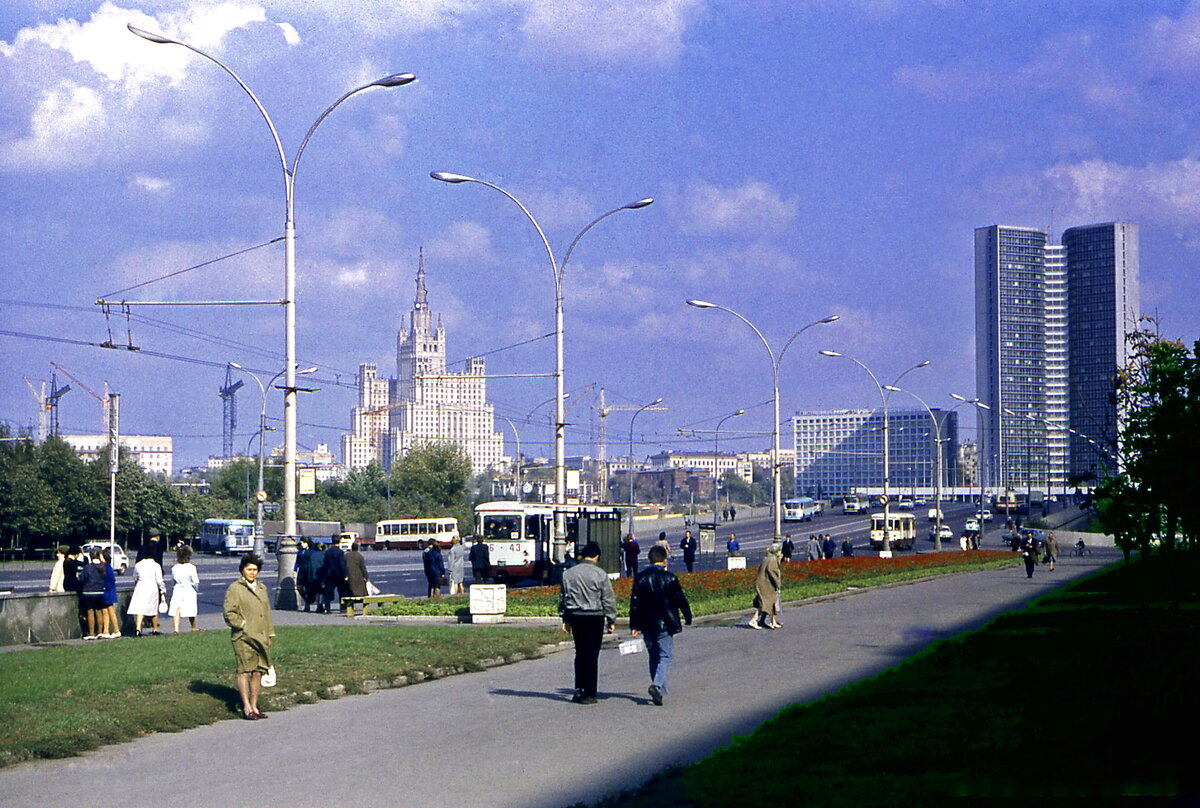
<point>368,601</point>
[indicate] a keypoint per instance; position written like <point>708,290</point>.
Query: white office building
<point>153,453</point>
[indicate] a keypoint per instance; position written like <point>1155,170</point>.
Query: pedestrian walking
<point>829,547</point>
<point>481,562</point>
<point>732,512</point>
<point>655,606</point>
<point>357,577</point>
<point>588,609</point>
<point>185,595</point>
<point>458,566</point>
<point>313,585</point>
<point>631,550</point>
<point>335,577</point>
<point>689,546</point>
<point>247,612</point>
<point>1029,553</point>
<point>1051,550</point>
<point>663,543</point>
<point>149,591</point>
<point>786,549</point>
<point>812,550</point>
<point>435,568</point>
<point>847,548</point>
<point>767,588</point>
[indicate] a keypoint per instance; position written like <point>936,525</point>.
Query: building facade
<point>425,403</point>
<point>1050,326</point>
<point>839,451</point>
<point>1103,306</point>
<point>153,453</point>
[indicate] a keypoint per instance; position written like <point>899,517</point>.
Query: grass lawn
<point>59,702</point>
<point>719,591</point>
<point>1090,692</point>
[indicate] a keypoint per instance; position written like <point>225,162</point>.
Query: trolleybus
<point>228,536</point>
<point>800,509</point>
<point>519,537</point>
<point>901,528</point>
<point>415,534</point>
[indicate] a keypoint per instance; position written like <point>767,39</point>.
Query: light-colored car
<point>986,515</point>
<point>905,505</point>
<point>943,534</point>
<point>972,526</point>
<point>935,514</point>
<point>120,561</point>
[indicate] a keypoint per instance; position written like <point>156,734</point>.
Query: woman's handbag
<point>268,678</point>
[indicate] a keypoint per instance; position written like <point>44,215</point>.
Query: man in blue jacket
<point>335,575</point>
<point>654,610</point>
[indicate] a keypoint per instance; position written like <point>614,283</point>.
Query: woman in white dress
<point>148,591</point>
<point>187,584</point>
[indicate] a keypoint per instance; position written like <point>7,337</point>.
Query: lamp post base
<point>885,553</point>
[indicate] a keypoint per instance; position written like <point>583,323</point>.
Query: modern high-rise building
<point>1050,325</point>
<point>425,403</point>
<point>839,451</point>
<point>1103,307</point>
<point>1010,353</point>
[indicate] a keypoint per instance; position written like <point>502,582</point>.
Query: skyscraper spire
<point>420,313</point>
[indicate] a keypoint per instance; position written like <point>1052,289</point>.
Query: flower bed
<point>724,590</point>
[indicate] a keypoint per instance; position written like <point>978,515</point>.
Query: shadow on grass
<point>223,693</point>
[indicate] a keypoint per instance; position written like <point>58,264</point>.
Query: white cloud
<point>290,34</point>
<point>752,208</point>
<point>463,241</point>
<point>1099,190</point>
<point>154,185</point>
<point>648,30</point>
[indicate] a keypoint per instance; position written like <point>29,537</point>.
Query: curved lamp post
<point>639,411</point>
<point>775,360</point>
<point>285,594</point>
<point>557,269</point>
<point>886,551</point>
<point>979,409</point>
<point>937,426</point>
<point>529,420</point>
<point>260,545</point>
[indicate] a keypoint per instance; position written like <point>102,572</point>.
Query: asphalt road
<point>509,736</point>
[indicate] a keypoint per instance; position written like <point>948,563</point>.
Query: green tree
<point>433,480</point>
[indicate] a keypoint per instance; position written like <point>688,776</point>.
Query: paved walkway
<point>510,737</point>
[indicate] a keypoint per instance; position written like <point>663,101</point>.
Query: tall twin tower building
<point>1050,326</point>
<point>424,403</point>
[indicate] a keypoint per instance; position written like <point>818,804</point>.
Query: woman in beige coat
<point>766,591</point>
<point>248,615</point>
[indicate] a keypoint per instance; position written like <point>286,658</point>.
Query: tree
<point>432,480</point>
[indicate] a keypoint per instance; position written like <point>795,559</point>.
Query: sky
<point>806,157</point>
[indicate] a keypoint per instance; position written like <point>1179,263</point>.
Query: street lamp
<point>716,476</point>
<point>979,408</point>
<point>775,481</point>
<point>937,497</point>
<point>285,594</point>
<point>558,270</point>
<point>529,419</point>
<point>260,546</point>
<point>629,470</point>
<point>886,551</point>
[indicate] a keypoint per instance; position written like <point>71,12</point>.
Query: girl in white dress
<point>187,583</point>
<point>148,591</point>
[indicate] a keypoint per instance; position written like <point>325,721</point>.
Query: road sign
<point>261,496</point>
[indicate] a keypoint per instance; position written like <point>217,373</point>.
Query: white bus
<point>228,536</point>
<point>415,534</point>
<point>800,509</point>
<point>902,530</point>
<point>519,536</point>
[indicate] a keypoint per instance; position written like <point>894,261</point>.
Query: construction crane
<point>602,442</point>
<point>228,394</point>
<point>47,406</point>
<point>103,399</point>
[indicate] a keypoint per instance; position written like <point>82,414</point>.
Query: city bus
<point>800,509</point>
<point>1008,502</point>
<point>519,537</point>
<point>227,536</point>
<point>415,534</point>
<point>902,530</point>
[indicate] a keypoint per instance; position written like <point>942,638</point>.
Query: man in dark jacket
<point>654,609</point>
<point>689,545</point>
<point>481,561</point>
<point>334,575</point>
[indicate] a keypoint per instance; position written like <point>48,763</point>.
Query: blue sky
<point>807,158</point>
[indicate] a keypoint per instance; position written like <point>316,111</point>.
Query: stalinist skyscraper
<point>427,403</point>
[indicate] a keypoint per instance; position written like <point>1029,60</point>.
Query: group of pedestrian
<point>94,581</point>
<point>729,513</point>
<point>1034,551</point>
<point>325,571</point>
<point>658,610</point>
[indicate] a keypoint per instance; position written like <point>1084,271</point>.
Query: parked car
<point>120,561</point>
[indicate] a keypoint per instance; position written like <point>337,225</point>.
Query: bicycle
<point>1080,550</point>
